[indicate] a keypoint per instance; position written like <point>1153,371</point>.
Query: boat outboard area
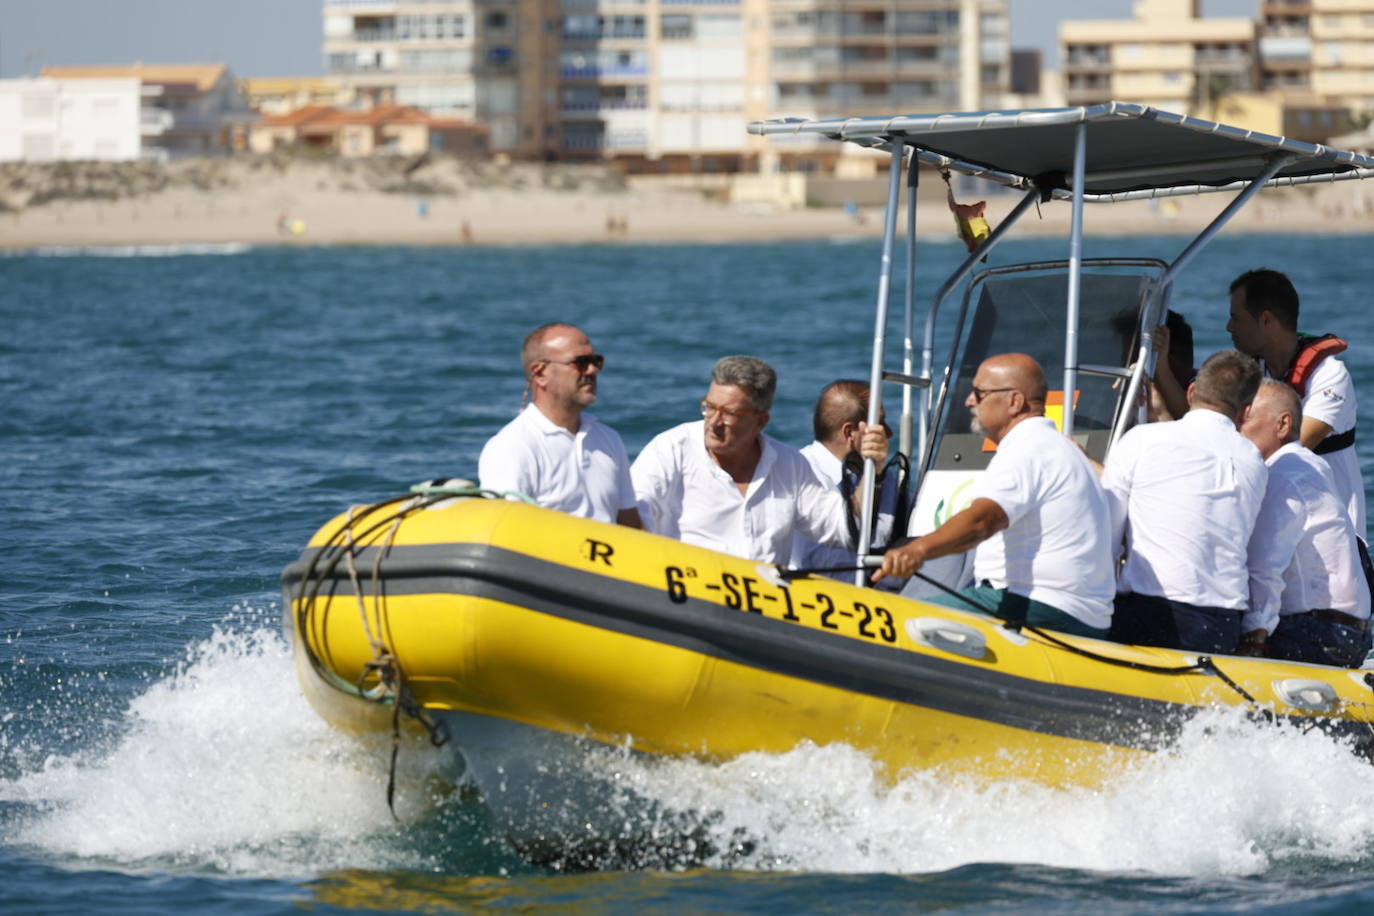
<point>525,636</point>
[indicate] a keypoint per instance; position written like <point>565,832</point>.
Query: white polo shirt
<point>587,474</point>
<point>683,493</point>
<point>1055,548</point>
<point>1303,555</point>
<point>1330,399</point>
<point>1184,496</point>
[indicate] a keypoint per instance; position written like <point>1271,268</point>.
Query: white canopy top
<point>1132,150</point>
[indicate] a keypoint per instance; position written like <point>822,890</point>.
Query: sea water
<point>178,422</point>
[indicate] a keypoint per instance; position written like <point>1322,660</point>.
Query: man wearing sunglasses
<point>1038,520</point>
<point>554,451</point>
<point>721,483</point>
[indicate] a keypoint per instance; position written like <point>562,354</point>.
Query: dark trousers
<point>1304,638</point>
<point>1147,620</point>
<point>1015,608</point>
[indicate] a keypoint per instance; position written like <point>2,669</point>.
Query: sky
<point>282,37</point>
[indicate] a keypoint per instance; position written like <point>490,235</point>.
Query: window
<point>34,106</point>
<point>496,19</point>
<point>676,26</point>
<point>500,56</point>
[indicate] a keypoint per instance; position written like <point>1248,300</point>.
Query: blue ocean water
<point>178,422</point>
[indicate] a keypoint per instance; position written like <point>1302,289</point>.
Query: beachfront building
<point>1302,69</point>
<point>185,109</point>
<point>664,85</point>
<point>1168,56</point>
<point>47,119</point>
<point>278,95</point>
<point>397,130</point>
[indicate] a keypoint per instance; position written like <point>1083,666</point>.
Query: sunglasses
<point>980,393</point>
<point>584,363</point>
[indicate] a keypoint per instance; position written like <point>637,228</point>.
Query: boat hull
<point>558,626</point>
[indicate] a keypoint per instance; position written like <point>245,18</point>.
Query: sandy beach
<point>306,202</point>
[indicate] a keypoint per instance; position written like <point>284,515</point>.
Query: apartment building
<point>1167,56</point>
<point>1342,51</point>
<point>664,85</point>
<point>46,119</point>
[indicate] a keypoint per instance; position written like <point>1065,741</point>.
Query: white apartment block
<point>1342,42</point>
<point>1168,56</point>
<point>670,83</point>
<point>46,120</point>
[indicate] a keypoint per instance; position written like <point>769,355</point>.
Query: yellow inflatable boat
<point>528,637</point>
<point>498,610</point>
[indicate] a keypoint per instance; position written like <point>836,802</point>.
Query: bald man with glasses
<point>1038,521</point>
<point>554,451</point>
<point>721,483</point>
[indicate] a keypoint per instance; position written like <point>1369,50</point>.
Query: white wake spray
<point>223,766</point>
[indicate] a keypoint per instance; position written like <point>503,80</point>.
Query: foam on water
<point>1232,799</point>
<point>131,251</point>
<point>223,766</point>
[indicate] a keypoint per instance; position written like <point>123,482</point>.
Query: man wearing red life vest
<point>1264,324</point>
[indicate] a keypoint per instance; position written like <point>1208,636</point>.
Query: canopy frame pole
<point>913,181</point>
<point>1271,169</point>
<point>928,398</point>
<point>1154,315</point>
<point>1080,159</point>
<point>875,375</point>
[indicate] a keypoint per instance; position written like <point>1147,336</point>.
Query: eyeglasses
<point>728,417</point>
<point>980,393</point>
<point>583,363</point>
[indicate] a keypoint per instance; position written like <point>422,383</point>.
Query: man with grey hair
<point>721,483</point>
<point>1183,497</point>
<point>1309,599</point>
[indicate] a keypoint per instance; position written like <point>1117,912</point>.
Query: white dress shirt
<point>1055,548</point>
<point>1184,496</point>
<point>807,554</point>
<point>1303,555</point>
<point>587,474</point>
<point>683,493</point>
<point>1331,399</point>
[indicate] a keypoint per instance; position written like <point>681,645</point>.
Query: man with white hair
<point>1309,599</point>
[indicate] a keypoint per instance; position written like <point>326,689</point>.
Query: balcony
<point>622,34</point>
<point>573,109</point>
<point>596,71</point>
<point>1277,49</point>
<point>374,35</point>
<point>154,121</point>
<point>370,6</point>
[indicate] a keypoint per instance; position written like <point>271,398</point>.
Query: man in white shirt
<point>1309,599</point>
<point>721,483</point>
<point>834,457</point>
<point>1264,324</point>
<point>1038,516</point>
<point>1184,496</point>
<point>553,451</point>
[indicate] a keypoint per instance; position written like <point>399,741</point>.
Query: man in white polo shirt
<point>1309,599</point>
<point>1038,516</point>
<point>719,482</point>
<point>554,451</point>
<point>1184,496</point>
